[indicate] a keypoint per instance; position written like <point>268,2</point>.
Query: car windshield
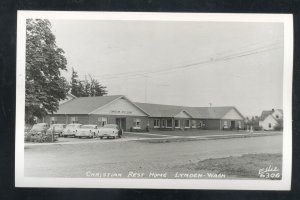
<point>110,126</point>
<point>88,126</point>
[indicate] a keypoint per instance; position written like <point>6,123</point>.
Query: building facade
<point>133,116</point>
<point>270,119</point>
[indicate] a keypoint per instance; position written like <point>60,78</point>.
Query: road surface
<point>77,160</point>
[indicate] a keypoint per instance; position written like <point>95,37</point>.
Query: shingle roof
<point>265,114</point>
<point>159,110</point>
<point>85,105</point>
<point>209,112</point>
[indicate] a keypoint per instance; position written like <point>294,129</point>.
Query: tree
<point>77,88</point>
<point>96,88</point>
<point>86,88</point>
<point>45,86</point>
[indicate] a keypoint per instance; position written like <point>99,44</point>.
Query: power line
<point>210,59</point>
<point>204,61</point>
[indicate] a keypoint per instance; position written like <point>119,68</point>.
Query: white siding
<point>277,114</point>
<point>232,114</point>
<point>120,107</point>
<point>268,121</point>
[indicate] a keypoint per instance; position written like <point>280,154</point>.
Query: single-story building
<point>130,116</point>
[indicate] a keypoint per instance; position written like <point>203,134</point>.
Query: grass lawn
<point>245,166</point>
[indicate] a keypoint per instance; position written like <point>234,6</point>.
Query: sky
<point>179,63</point>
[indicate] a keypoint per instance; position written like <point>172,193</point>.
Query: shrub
<point>27,137</point>
<point>40,138</point>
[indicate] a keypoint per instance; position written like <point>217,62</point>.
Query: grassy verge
<point>245,166</point>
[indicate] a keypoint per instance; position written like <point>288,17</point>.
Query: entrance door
<point>232,125</point>
<point>121,122</point>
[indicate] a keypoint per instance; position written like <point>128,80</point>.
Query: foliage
<point>87,87</point>
<point>279,126</point>
<point>45,86</point>
<point>40,138</point>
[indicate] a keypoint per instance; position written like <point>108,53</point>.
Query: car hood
<point>84,130</point>
<point>108,129</point>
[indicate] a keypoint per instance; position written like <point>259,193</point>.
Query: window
<point>169,123</point>
<point>270,125</point>
<point>194,124</point>
<point>177,123</point>
<point>163,123</point>
<point>53,120</point>
<point>136,123</point>
<point>187,123</point>
<point>225,124</point>
<point>277,116</point>
<point>200,124</point>
<point>102,121</point>
<point>156,123</point>
<point>239,124</point>
<point>74,120</point>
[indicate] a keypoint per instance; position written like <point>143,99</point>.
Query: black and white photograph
<point>154,100</point>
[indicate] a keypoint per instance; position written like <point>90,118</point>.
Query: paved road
<point>139,156</point>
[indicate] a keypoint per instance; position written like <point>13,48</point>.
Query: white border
<point>284,184</point>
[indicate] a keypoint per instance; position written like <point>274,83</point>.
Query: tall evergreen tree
<point>45,86</point>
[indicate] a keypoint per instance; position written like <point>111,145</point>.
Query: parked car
<point>110,131</point>
<point>39,128</point>
<point>88,130</point>
<point>70,130</point>
<point>58,129</point>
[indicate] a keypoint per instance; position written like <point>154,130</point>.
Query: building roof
<point>85,105</point>
<point>266,113</point>
<point>160,110</point>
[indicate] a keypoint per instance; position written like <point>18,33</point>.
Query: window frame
<point>194,125</point>
<point>167,123</point>
<point>100,119</point>
<point>185,123</point>
<point>178,123</point>
<point>137,123</point>
<point>53,120</point>
<point>225,124</point>
<point>157,124</point>
<point>75,121</point>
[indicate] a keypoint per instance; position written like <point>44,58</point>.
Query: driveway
<point>77,160</point>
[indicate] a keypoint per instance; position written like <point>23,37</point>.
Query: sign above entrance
<point>120,107</point>
<point>120,112</point>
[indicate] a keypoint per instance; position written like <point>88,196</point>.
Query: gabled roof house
<point>118,109</point>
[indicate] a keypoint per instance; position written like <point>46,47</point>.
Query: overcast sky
<point>179,63</point>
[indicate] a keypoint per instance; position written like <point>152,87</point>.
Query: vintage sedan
<point>88,130</point>
<point>58,129</point>
<point>39,128</point>
<point>70,130</point>
<point>110,131</point>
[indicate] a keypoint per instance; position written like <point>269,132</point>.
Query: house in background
<point>270,119</point>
